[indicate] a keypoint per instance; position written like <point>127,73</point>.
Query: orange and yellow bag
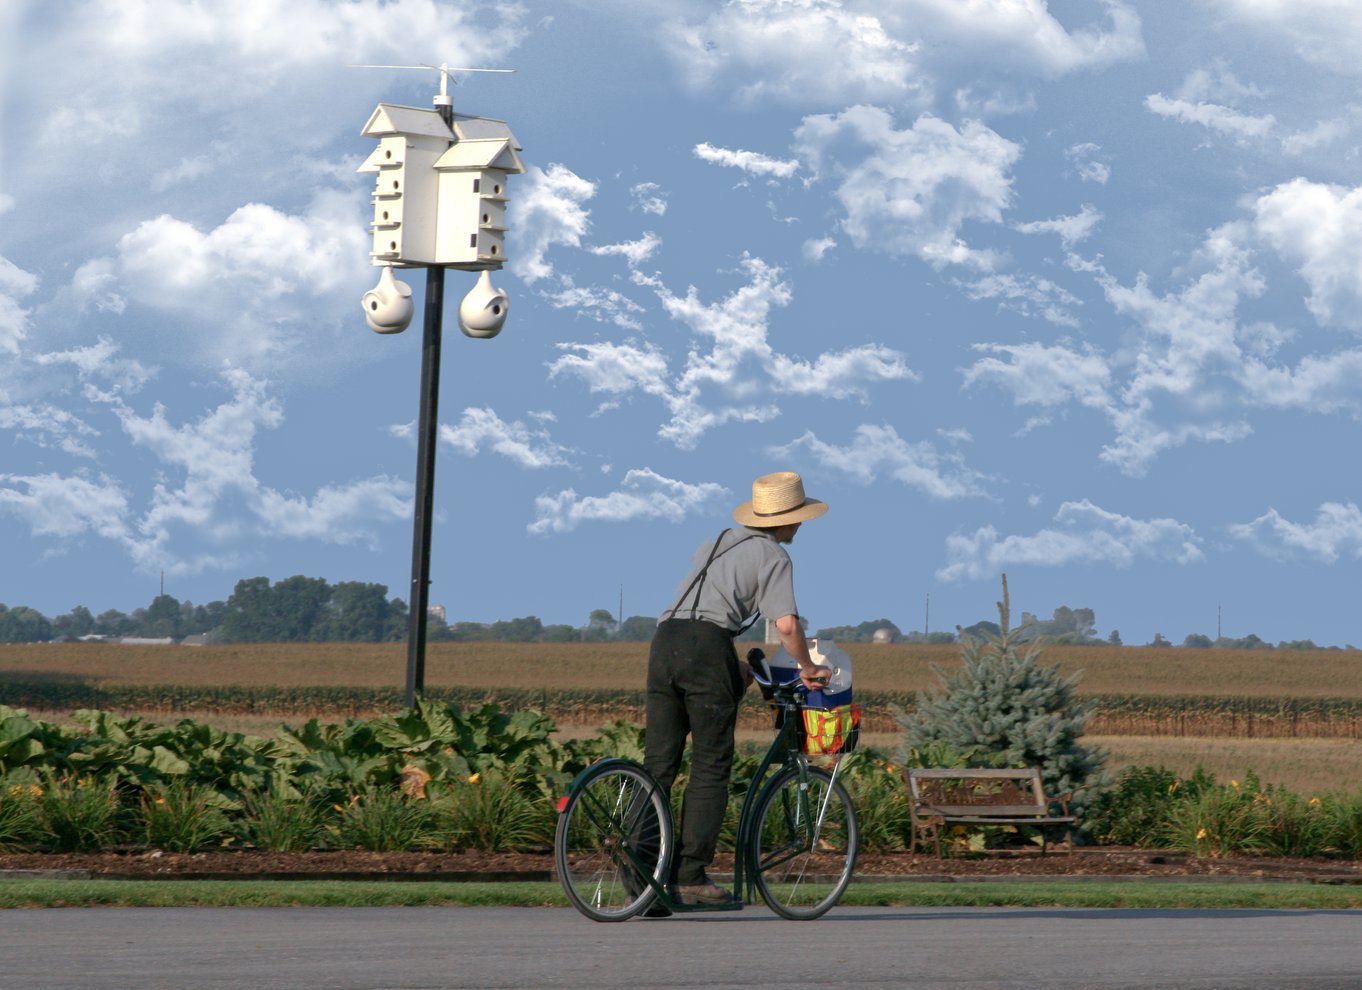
<point>832,730</point>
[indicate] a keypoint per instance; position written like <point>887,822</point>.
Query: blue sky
<point>1066,291</point>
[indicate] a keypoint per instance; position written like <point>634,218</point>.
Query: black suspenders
<point>699,581</point>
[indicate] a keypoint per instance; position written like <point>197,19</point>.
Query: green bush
<point>1003,709</point>
<point>21,825</point>
<point>1136,811</point>
<point>279,821</point>
<point>178,816</point>
<point>498,811</point>
<point>388,821</point>
<point>81,814</point>
<point>880,798</point>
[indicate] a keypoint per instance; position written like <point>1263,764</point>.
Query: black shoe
<point>702,893</point>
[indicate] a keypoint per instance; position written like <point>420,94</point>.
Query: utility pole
<point>927,618</point>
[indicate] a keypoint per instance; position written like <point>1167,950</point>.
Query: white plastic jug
<point>828,654</point>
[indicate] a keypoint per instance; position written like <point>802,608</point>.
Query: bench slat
<point>983,808</point>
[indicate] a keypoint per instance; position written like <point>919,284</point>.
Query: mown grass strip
<point>1144,894</point>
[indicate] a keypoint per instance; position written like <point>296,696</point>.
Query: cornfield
<point>1133,691</point>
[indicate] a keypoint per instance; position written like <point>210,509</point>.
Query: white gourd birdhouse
<point>439,190</point>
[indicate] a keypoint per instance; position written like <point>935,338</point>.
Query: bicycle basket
<point>833,730</point>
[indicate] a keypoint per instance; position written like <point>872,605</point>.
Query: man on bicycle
<point>695,679</point>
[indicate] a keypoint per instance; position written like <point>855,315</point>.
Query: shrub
<point>1007,710</point>
<point>1220,821</point>
<point>81,814</point>
<point>179,816</point>
<point>881,802</point>
<point>388,821</point>
<point>1137,810</point>
<point>497,811</point>
<point>281,822</point>
<point>21,825</point>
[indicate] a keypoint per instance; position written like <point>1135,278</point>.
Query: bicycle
<point>797,837</point>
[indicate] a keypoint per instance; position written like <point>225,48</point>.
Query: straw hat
<point>778,500</point>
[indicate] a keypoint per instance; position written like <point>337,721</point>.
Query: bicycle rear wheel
<point>804,843</point>
<point>614,833</point>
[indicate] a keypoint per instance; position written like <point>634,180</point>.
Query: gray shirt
<point>745,576</point>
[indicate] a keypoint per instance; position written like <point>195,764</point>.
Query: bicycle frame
<point>785,749</point>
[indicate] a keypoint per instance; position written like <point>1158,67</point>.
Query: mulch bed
<point>355,864</point>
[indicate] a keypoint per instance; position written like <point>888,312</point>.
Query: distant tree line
<point>304,609</point>
<point>296,609</point>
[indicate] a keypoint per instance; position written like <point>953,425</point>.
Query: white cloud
<point>914,189</point>
<point>603,305</point>
<point>816,248</point>
<point>206,502</point>
<point>633,252</point>
<point>1211,115</point>
<point>1045,375</point>
<point>337,513</point>
<point>1318,227</point>
<point>795,51</point>
<point>187,170</point>
<point>837,52</point>
<point>1085,534</point>
<point>741,377</point>
<point>547,210</point>
<point>840,374</point>
<point>248,291</point>
<point>1325,32</point>
<point>649,197</point>
<point>615,369</point>
<point>15,284</point>
<point>643,494</point>
<point>120,56</point>
<point>879,450</point>
<point>752,162</point>
<point>1020,34</point>
<point>482,428</point>
<point>1085,160</point>
<point>1071,229</point>
<point>1320,384</point>
<point>1029,295</point>
<point>1336,531</point>
<point>66,506</point>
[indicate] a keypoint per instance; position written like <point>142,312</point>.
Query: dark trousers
<point>694,688</point>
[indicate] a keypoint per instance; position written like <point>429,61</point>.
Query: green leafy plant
<point>1137,810</point>
<point>1220,821</point>
<point>384,820</point>
<point>281,821</point>
<point>179,816</point>
<point>21,825</point>
<point>881,802</point>
<point>81,814</point>
<point>500,810</point>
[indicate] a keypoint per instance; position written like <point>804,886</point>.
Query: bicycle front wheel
<point>614,833</point>
<point>804,843</point>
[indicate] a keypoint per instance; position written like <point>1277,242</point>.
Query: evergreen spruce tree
<point>1002,708</point>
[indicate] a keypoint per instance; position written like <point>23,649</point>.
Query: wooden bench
<point>966,796</point>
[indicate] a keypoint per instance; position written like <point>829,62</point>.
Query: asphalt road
<point>486,948</point>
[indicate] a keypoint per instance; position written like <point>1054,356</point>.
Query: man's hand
<point>815,678</point>
<point>745,669</point>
